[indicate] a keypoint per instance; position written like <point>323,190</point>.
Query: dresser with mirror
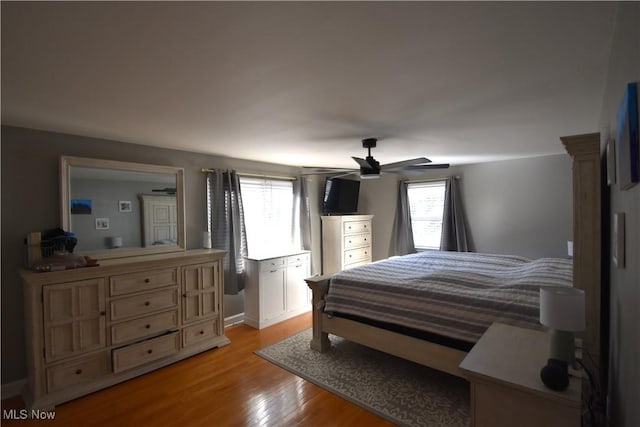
<point>147,303</point>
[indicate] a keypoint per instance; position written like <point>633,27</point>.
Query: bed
<point>587,275</point>
<point>431,307</point>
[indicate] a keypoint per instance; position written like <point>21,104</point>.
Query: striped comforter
<point>454,294</point>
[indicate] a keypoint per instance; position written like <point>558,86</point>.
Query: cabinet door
<point>272,288</point>
<point>74,318</point>
<point>297,295</point>
<point>201,288</point>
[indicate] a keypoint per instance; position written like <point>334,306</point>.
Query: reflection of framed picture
<point>81,206</point>
<point>628,145</point>
<point>102,223</point>
<point>124,206</point>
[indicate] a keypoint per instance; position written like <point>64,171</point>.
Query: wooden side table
<point>506,390</point>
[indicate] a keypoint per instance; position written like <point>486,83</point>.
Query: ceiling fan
<point>370,168</point>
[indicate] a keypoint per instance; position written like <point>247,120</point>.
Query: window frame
<point>415,185</point>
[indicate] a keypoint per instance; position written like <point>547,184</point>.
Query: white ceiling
<point>301,83</point>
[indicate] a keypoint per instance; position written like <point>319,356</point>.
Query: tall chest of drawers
<point>89,328</point>
<point>346,242</point>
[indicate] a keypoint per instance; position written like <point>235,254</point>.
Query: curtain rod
<point>416,181</point>
<point>256,175</point>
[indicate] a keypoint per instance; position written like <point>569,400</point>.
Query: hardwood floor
<point>229,386</point>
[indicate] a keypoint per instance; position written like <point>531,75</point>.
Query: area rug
<point>401,391</point>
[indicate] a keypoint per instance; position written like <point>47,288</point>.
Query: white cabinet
<point>90,328</point>
<point>346,242</point>
<point>275,289</point>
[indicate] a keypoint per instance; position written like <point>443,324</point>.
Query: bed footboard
<point>319,286</point>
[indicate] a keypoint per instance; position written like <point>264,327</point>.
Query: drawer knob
<point>146,280</point>
<point>184,295</point>
<point>149,351</point>
<point>147,326</point>
<point>103,313</point>
<point>79,371</point>
<point>147,303</point>
<point>201,332</point>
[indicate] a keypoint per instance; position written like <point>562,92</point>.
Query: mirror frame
<point>66,162</point>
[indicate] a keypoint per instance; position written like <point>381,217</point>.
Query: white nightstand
<point>506,390</point>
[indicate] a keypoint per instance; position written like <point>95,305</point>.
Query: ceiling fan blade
<point>405,163</point>
<point>346,174</point>
<point>363,163</point>
<point>312,170</point>
<point>427,167</point>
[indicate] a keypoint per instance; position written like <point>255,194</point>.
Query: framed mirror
<point>120,209</point>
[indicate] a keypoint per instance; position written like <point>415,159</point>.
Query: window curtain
<point>454,230</point>
<point>402,244</point>
<point>302,215</point>
<point>226,217</point>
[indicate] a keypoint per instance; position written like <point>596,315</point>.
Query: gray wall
<point>624,338</point>
<point>521,207</point>
<point>31,202</point>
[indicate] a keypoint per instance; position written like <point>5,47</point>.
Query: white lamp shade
<point>562,308</point>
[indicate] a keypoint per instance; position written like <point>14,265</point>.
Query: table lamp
<point>562,310</point>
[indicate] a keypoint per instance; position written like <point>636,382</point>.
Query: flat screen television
<point>340,196</point>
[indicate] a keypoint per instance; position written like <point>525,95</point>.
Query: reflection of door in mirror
<point>160,225</point>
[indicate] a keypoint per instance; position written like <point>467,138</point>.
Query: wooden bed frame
<point>585,151</point>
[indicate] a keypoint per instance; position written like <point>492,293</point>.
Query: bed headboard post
<point>587,239</point>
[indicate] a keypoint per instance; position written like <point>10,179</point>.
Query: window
<point>268,214</point>
<point>426,204</point>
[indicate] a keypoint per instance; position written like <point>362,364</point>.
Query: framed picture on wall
<point>611,162</point>
<point>81,206</point>
<point>124,206</point>
<point>628,149</point>
<point>102,223</point>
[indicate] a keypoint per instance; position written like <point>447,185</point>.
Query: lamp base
<point>562,346</point>
<point>555,374</point>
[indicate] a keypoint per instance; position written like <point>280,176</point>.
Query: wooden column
<point>587,239</point>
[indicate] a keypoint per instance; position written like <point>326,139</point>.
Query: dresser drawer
<point>298,259</point>
<point>135,282</point>
<point>78,371</point>
<point>141,305</point>
<point>144,352</point>
<point>357,240</point>
<point>144,327</point>
<point>356,255</point>
<point>356,264</point>
<point>273,263</point>
<point>200,332</point>
<point>355,227</point>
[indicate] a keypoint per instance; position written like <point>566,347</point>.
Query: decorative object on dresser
<point>346,242</point>
<point>275,289</point>
<point>506,389</point>
<point>90,328</point>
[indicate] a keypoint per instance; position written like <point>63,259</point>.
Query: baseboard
<point>13,389</point>
<point>233,320</point>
